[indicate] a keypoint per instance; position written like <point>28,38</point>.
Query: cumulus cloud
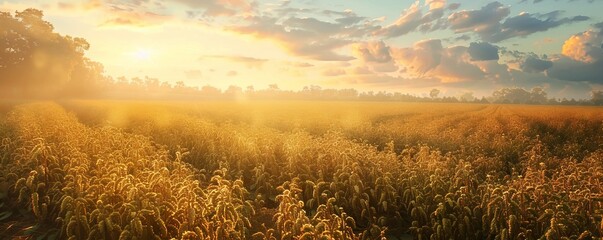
<point>429,58</point>
<point>372,52</point>
<point>361,70</point>
<point>145,13</point>
<point>128,13</point>
<point>525,24</point>
<point>584,47</point>
<point>569,69</point>
<point>413,18</point>
<point>430,63</point>
<point>482,51</point>
<point>409,20</point>
<point>435,4</point>
<point>308,36</point>
<point>424,56</point>
<point>384,67</point>
<point>85,5</point>
<point>454,6</point>
<point>599,26</point>
<point>129,17</point>
<point>486,22</point>
<point>213,8</point>
<point>534,64</point>
<point>297,41</point>
<point>581,59</point>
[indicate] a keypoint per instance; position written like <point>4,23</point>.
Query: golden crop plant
<point>302,170</point>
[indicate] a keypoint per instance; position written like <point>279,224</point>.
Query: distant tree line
<point>36,62</point>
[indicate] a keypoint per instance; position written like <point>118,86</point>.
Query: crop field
<point>299,170</point>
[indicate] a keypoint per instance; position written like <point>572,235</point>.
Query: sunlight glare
<point>142,54</point>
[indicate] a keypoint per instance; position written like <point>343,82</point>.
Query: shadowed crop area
<point>299,170</point>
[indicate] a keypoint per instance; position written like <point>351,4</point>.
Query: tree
<point>234,91</point>
<point>434,93</point>
<point>37,62</point>
<point>596,97</point>
<point>511,95</point>
<point>538,95</point>
<point>467,97</point>
<point>519,95</point>
<point>273,87</point>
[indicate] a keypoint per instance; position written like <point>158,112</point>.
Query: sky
<point>382,45</point>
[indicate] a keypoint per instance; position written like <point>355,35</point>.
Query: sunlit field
<point>299,170</point>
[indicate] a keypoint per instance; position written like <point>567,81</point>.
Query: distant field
<point>300,170</point>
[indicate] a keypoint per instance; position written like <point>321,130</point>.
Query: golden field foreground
<point>299,170</point>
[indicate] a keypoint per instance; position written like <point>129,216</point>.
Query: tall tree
<point>434,93</point>
<point>597,97</point>
<point>37,62</point>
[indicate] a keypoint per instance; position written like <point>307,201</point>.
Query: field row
<point>263,170</point>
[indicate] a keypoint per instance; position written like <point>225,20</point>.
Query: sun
<point>142,54</point>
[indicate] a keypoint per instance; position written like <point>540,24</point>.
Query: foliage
<point>36,62</point>
<point>271,171</point>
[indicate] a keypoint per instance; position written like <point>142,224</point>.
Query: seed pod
<point>307,236</point>
<point>125,235</point>
<point>321,227</point>
<point>162,228</point>
<point>93,234</point>
<point>44,210</point>
<point>220,233</point>
<point>513,226</point>
<point>552,234</point>
<point>485,223</point>
<point>20,183</point>
<point>22,195</point>
<point>40,187</point>
<point>109,225</point>
<point>34,204</point>
<point>439,232</point>
<point>468,224</point>
<point>71,228</point>
<point>350,222</point>
<point>382,221</point>
<point>586,235</point>
<point>191,215</point>
<point>447,226</point>
<point>504,234</point>
<point>66,204</point>
<point>191,235</point>
<point>30,180</point>
<point>307,228</point>
<point>102,229</point>
<point>258,236</point>
<point>364,214</point>
<point>287,236</point>
<point>83,222</point>
<point>137,226</point>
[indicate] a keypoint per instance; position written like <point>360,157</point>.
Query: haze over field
<point>301,120</point>
<point>411,47</point>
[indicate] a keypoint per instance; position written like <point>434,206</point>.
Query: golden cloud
<point>584,47</point>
